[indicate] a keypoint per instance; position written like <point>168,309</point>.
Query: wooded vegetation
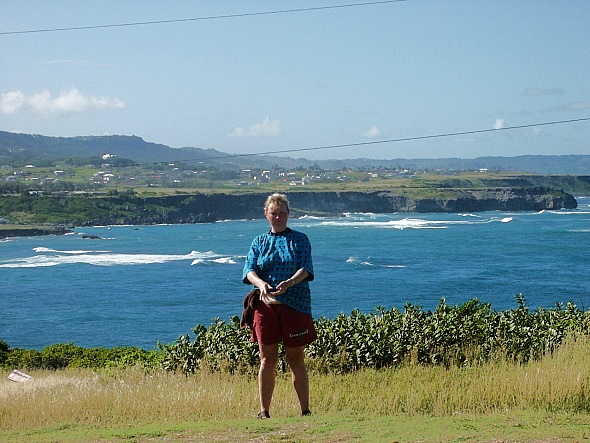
<point>21,204</point>
<point>450,336</point>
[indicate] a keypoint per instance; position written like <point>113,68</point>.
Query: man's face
<point>277,216</point>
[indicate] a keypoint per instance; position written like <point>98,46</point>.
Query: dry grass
<point>558,383</point>
<point>112,398</point>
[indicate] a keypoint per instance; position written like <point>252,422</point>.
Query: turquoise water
<point>140,284</point>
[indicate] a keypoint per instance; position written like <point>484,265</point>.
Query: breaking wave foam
<point>358,262</point>
<point>45,257</point>
<point>412,223</point>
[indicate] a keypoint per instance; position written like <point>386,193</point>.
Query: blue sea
<point>137,285</point>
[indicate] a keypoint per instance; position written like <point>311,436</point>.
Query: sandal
<point>263,415</point>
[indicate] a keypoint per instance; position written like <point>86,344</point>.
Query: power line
<point>194,19</point>
<point>405,139</point>
<point>395,140</point>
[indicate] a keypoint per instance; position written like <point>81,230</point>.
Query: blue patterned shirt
<point>276,257</point>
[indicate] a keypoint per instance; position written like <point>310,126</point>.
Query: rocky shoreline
<point>210,208</point>
<point>207,208</point>
<point>8,230</point>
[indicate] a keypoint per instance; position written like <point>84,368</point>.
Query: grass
<point>492,428</point>
<point>548,400</point>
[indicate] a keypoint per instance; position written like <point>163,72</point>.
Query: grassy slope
<point>423,185</point>
<point>543,401</point>
<point>420,186</point>
<point>510,426</point>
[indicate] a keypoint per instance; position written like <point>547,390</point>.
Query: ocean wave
<point>367,262</point>
<point>356,214</point>
<point>220,260</point>
<point>578,212</point>
<point>412,223</point>
<point>229,220</point>
<point>405,223</point>
<point>310,217</point>
<point>49,257</point>
<point>469,215</point>
<point>42,249</point>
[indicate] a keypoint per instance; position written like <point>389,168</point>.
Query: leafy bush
<point>459,335</point>
<point>526,336</point>
<point>3,351</point>
<point>464,335</point>
<point>221,347</point>
<point>68,355</point>
<point>22,359</point>
<point>60,356</point>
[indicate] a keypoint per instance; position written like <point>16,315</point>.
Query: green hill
<point>18,150</point>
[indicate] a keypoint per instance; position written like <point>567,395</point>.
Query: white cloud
<point>268,128</point>
<point>372,132</point>
<point>11,102</point>
<point>43,103</point>
<point>499,124</point>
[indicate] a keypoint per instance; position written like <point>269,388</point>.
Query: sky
<point>320,79</point>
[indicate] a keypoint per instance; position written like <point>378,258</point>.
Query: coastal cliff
<point>131,209</point>
<point>208,208</point>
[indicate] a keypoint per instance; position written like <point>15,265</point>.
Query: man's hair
<point>277,199</point>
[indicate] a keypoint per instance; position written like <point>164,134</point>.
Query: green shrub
<point>68,355</point>
<point>23,359</point>
<point>3,351</point>
<point>221,347</point>
<point>60,356</point>
<point>464,335</point>
<point>451,336</point>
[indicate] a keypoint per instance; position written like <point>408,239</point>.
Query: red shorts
<point>279,323</point>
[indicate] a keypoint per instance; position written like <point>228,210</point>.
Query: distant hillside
<point>130,209</point>
<point>27,148</point>
<point>538,164</point>
<point>22,149</point>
